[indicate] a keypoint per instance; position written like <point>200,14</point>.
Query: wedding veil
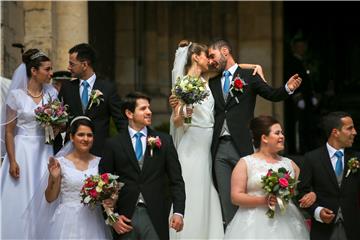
<point>8,107</point>
<point>178,71</point>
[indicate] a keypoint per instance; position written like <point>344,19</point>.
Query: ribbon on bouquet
<point>49,134</point>
<point>271,212</point>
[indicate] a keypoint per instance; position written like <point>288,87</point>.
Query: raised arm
<point>54,183</point>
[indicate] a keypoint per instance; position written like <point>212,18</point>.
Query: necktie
<point>85,94</point>
<point>138,145</point>
<point>339,164</point>
<point>226,82</point>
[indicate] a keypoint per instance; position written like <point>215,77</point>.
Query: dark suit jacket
<point>318,175</point>
<point>100,115</point>
<point>238,115</point>
<point>119,158</point>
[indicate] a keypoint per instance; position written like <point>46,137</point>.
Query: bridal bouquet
<point>190,90</point>
<point>97,188</point>
<point>280,184</point>
<point>50,115</point>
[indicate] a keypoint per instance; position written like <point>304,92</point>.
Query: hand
<point>122,225</point>
<point>109,203</point>
<point>173,101</point>
<point>307,200</point>
<point>54,168</point>
<point>294,82</point>
<point>326,215</point>
<point>258,70</point>
<point>271,200</point>
<point>176,222</point>
<point>14,170</point>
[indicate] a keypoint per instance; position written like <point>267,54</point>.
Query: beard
<point>222,63</point>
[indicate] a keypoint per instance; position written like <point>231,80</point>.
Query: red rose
<point>238,84</point>
<point>105,177</point>
<point>93,193</point>
<point>269,173</point>
<point>283,182</point>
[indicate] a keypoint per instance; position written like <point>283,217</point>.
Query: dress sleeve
<point>13,100</point>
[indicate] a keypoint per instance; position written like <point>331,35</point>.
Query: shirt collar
<point>233,68</point>
<point>90,81</point>
<point>332,150</point>
<point>132,131</point>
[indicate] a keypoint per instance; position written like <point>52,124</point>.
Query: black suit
<point>317,174</point>
<point>100,115</point>
<point>238,110</point>
<point>119,158</point>
<point>238,115</point>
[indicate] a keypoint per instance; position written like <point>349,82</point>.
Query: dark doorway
<point>333,54</point>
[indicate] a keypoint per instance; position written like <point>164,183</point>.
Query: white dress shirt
<point>90,81</point>
<point>132,133</point>
<point>333,159</point>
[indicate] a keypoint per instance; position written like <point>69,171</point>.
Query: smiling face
<point>346,134</point>
<point>141,116</point>
<point>202,61</point>
<point>83,138</point>
<point>44,73</point>
<point>217,58</point>
<point>275,140</point>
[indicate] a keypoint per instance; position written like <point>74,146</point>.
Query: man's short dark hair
<point>85,52</point>
<point>333,120</point>
<point>129,101</point>
<point>219,43</point>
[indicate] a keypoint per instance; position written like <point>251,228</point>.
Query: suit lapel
<point>325,159</point>
<point>346,159</point>
<point>126,141</point>
<point>231,101</point>
<point>147,157</point>
<point>77,105</point>
<point>217,91</point>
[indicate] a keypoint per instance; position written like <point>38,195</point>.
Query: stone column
<point>12,31</point>
<point>70,28</point>
<point>260,41</point>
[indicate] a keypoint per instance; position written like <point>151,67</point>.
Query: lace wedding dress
<point>31,154</point>
<point>203,219</point>
<point>252,223</point>
<point>71,219</point>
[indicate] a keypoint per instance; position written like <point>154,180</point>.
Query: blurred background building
<point>136,42</point>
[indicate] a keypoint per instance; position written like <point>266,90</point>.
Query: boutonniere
<point>353,165</point>
<point>153,142</point>
<point>96,96</point>
<point>237,85</point>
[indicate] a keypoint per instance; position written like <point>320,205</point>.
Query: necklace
<point>30,94</point>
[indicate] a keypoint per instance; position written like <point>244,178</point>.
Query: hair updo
<point>261,126</point>
<point>33,59</point>
<point>78,121</point>
<point>194,48</point>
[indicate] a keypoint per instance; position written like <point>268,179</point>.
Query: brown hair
<point>33,59</point>
<point>194,48</point>
<point>261,126</point>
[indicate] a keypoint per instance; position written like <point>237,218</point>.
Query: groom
<point>235,91</point>
<point>77,94</point>
<point>336,211</point>
<point>151,172</point>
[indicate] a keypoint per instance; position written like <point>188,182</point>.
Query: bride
<point>26,153</point>
<point>250,220</point>
<point>60,210</point>
<point>203,218</point>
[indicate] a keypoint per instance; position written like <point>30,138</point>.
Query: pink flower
<point>105,177</point>
<point>93,193</point>
<point>158,142</point>
<point>287,175</point>
<point>269,173</point>
<point>283,182</point>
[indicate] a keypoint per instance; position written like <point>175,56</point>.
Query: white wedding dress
<point>203,219</point>
<point>253,223</point>
<point>31,154</point>
<point>71,219</point>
